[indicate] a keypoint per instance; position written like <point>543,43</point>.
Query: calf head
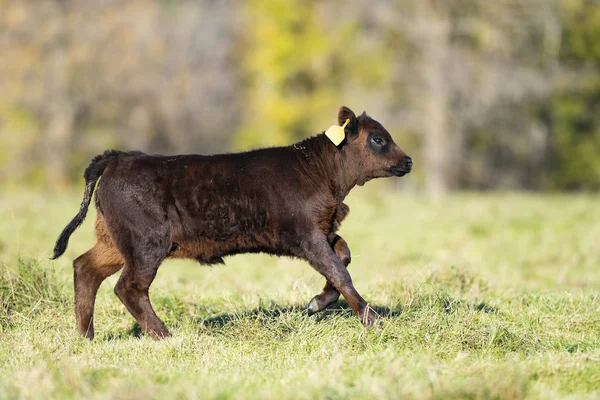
<point>369,150</point>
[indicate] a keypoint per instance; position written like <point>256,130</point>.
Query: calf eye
<point>378,140</point>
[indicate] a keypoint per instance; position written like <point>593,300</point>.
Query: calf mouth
<point>399,171</point>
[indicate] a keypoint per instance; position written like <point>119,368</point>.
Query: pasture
<point>481,296</point>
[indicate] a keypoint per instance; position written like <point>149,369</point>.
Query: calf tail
<point>91,176</point>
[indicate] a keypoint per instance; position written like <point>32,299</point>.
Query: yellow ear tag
<point>336,134</point>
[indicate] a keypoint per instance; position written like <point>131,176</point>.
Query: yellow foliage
<point>299,63</point>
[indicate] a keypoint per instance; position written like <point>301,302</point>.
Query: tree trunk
<point>434,60</point>
<point>60,115</point>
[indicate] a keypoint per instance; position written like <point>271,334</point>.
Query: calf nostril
<point>407,161</point>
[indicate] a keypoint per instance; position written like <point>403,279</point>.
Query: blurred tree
<point>574,107</point>
<point>496,94</point>
<point>467,75</point>
<point>153,75</point>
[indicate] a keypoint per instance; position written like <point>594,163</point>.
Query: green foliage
<point>581,31</point>
<point>481,297</point>
<point>575,104</point>
<point>576,139</point>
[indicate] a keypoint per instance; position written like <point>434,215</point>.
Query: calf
<point>285,201</point>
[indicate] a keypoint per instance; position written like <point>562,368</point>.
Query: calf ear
<point>352,127</point>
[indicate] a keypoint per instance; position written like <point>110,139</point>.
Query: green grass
<point>482,296</point>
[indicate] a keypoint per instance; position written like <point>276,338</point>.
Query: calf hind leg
<point>132,289</point>
<point>330,295</point>
<point>89,271</point>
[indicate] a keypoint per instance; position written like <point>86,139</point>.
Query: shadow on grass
<point>135,331</point>
<point>338,309</point>
<point>266,314</point>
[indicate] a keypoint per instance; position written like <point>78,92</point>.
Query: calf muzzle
<point>403,167</point>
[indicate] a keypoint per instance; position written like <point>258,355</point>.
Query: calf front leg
<point>330,295</point>
<point>321,256</point>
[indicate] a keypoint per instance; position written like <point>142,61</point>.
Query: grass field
<point>482,296</point>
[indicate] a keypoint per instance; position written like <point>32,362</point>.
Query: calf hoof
<point>322,301</point>
<point>313,306</point>
<point>88,335</point>
<point>369,317</point>
<point>158,333</point>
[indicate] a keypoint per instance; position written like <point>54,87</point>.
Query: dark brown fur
<point>285,201</point>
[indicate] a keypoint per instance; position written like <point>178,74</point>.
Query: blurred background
<point>482,94</point>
